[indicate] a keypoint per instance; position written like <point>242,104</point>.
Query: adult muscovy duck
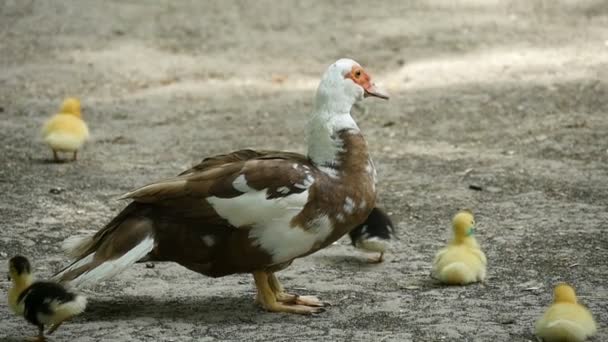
<point>250,211</point>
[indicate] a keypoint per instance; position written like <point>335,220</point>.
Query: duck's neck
<point>468,241</point>
<point>325,136</point>
<point>22,282</point>
<point>19,285</point>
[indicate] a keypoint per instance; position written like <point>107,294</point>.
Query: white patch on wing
<point>254,208</point>
<point>349,205</point>
<point>340,217</point>
<point>283,190</point>
<point>330,171</point>
<point>270,220</point>
<point>306,182</point>
<point>240,184</point>
<point>321,226</point>
<point>363,204</point>
<point>209,240</point>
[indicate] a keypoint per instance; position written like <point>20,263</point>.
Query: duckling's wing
<point>437,259</point>
<point>480,254</point>
<point>41,300</point>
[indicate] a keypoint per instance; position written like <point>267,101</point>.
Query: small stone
<point>494,189</point>
<point>411,287</point>
<point>56,191</point>
<point>150,265</point>
<point>388,124</point>
<point>3,254</point>
<point>475,187</point>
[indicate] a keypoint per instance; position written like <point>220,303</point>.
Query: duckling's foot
<point>377,260</point>
<point>267,298</point>
<point>75,156</point>
<point>56,157</point>
<point>53,328</point>
<point>36,339</point>
<point>40,337</point>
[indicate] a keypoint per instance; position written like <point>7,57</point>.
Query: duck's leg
<point>55,156</point>
<point>268,300</point>
<point>40,337</point>
<point>54,327</point>
<point>287,298</point>
<point>75,155</point>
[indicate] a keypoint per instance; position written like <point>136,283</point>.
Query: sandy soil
<point>507,95</point>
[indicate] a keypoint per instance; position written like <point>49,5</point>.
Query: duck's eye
<point>357,73</point>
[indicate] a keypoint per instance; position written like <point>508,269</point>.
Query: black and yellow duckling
<point>41,302</point>
<point>374,234</point>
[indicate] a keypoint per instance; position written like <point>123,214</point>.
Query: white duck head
<point>343,84</point>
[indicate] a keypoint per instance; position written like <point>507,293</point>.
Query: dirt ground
<point>510,96</point>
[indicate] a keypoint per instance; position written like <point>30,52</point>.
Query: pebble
<point>56,191</point>
<point>475,187</point>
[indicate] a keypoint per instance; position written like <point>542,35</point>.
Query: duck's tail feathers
<point>77,245</point>
<point>563,329</point>
<point>70,309</point>
<point>124,241</point>
<point>456,273</point>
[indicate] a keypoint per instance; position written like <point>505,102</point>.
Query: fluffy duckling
<point>565,320</point>
<point>66,131</point>
<point>462,261</point>
<point>41,303</point>
<point>374,234</point>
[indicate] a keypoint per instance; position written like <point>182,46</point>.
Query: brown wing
<point>281,174</point>
<point>244,155</point>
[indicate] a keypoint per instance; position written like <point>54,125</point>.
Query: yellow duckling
<point>565,320</point>
<point>462,261</point>
<point>66,131</point>
<point>41,303</point>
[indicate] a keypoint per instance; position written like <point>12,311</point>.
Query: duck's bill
<point>375,91</point>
